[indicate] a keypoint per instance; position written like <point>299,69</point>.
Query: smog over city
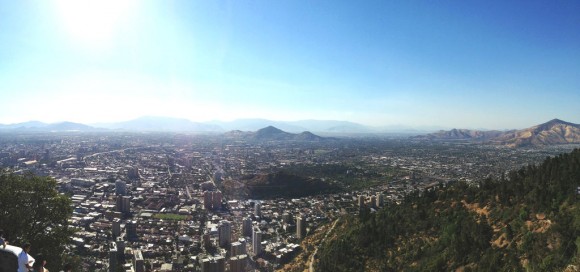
<point>289,136</point>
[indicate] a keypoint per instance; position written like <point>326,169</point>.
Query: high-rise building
<point>120,188</point>
<point>205,264</point>
<point>127,204</point>
<point>131,230</point>
<point>380,200</point>
<point>123,204</point>
<point>221,263</point>
<point>113,257</point>
<point>234,266</point>
<point>361,201</point>
<point>244,245</point>
<point>120,248</point>
<point>206,239</point>
<point>138,262</point>
<point>116,227</point>
<point>257,210</point>
<point>238,263</point>
<point>300,226</point>
<point>247,227</point>
<point>213,264</point>
<point>119,204</point>
<point>207,200</point>
<point>239,247</point>
<point>212,200</point>
<point>373,200</point>
<point>235,249</point>
<point>257,241</point>
<point>133,173</point>
<point>286,218</point>
<point>217,200</point>
<point>225,233</point>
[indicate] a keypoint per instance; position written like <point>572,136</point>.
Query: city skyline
<point>464,65</point>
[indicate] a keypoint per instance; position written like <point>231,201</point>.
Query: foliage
<point>283,184</point>
<point>535,212</point>
<point>349,177</point>
<point>32,210</point>
<point>170,216</point>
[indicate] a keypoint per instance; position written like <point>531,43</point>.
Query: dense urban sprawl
<point>155,201</point>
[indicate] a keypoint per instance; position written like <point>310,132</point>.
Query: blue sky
<point>468,64</point>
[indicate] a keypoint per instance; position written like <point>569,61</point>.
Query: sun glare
<point>93,24</point>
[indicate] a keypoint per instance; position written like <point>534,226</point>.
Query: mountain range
<point>324,126</point>
<point>169,124</point>
<point>161,124</point>
<point>550,133</point>
<point>36,126</point>
<point>553,132</point>
<point>461,134</point>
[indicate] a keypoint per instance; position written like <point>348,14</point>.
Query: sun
<point>94,24</point>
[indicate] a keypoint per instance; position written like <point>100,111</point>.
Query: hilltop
<point>526,221</point>
<point>271,133</point>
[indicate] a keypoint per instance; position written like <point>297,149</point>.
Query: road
<point>311,269</point>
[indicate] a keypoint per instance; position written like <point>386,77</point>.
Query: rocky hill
<point>271,133</point>
<point>550,133</point>
<point>461,134</point>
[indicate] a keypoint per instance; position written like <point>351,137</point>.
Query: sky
<point>464,64</point>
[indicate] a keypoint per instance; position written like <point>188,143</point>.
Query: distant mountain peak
<point>270,129</point>
<point>460,134</point>
<point>68,126</point>
<point>554,122</point>
<point>271,133</point>
<point>552,132</point>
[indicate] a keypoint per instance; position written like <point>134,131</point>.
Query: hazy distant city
<point>226,202</point>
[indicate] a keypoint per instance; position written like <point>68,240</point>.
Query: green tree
<point>32,210</point>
